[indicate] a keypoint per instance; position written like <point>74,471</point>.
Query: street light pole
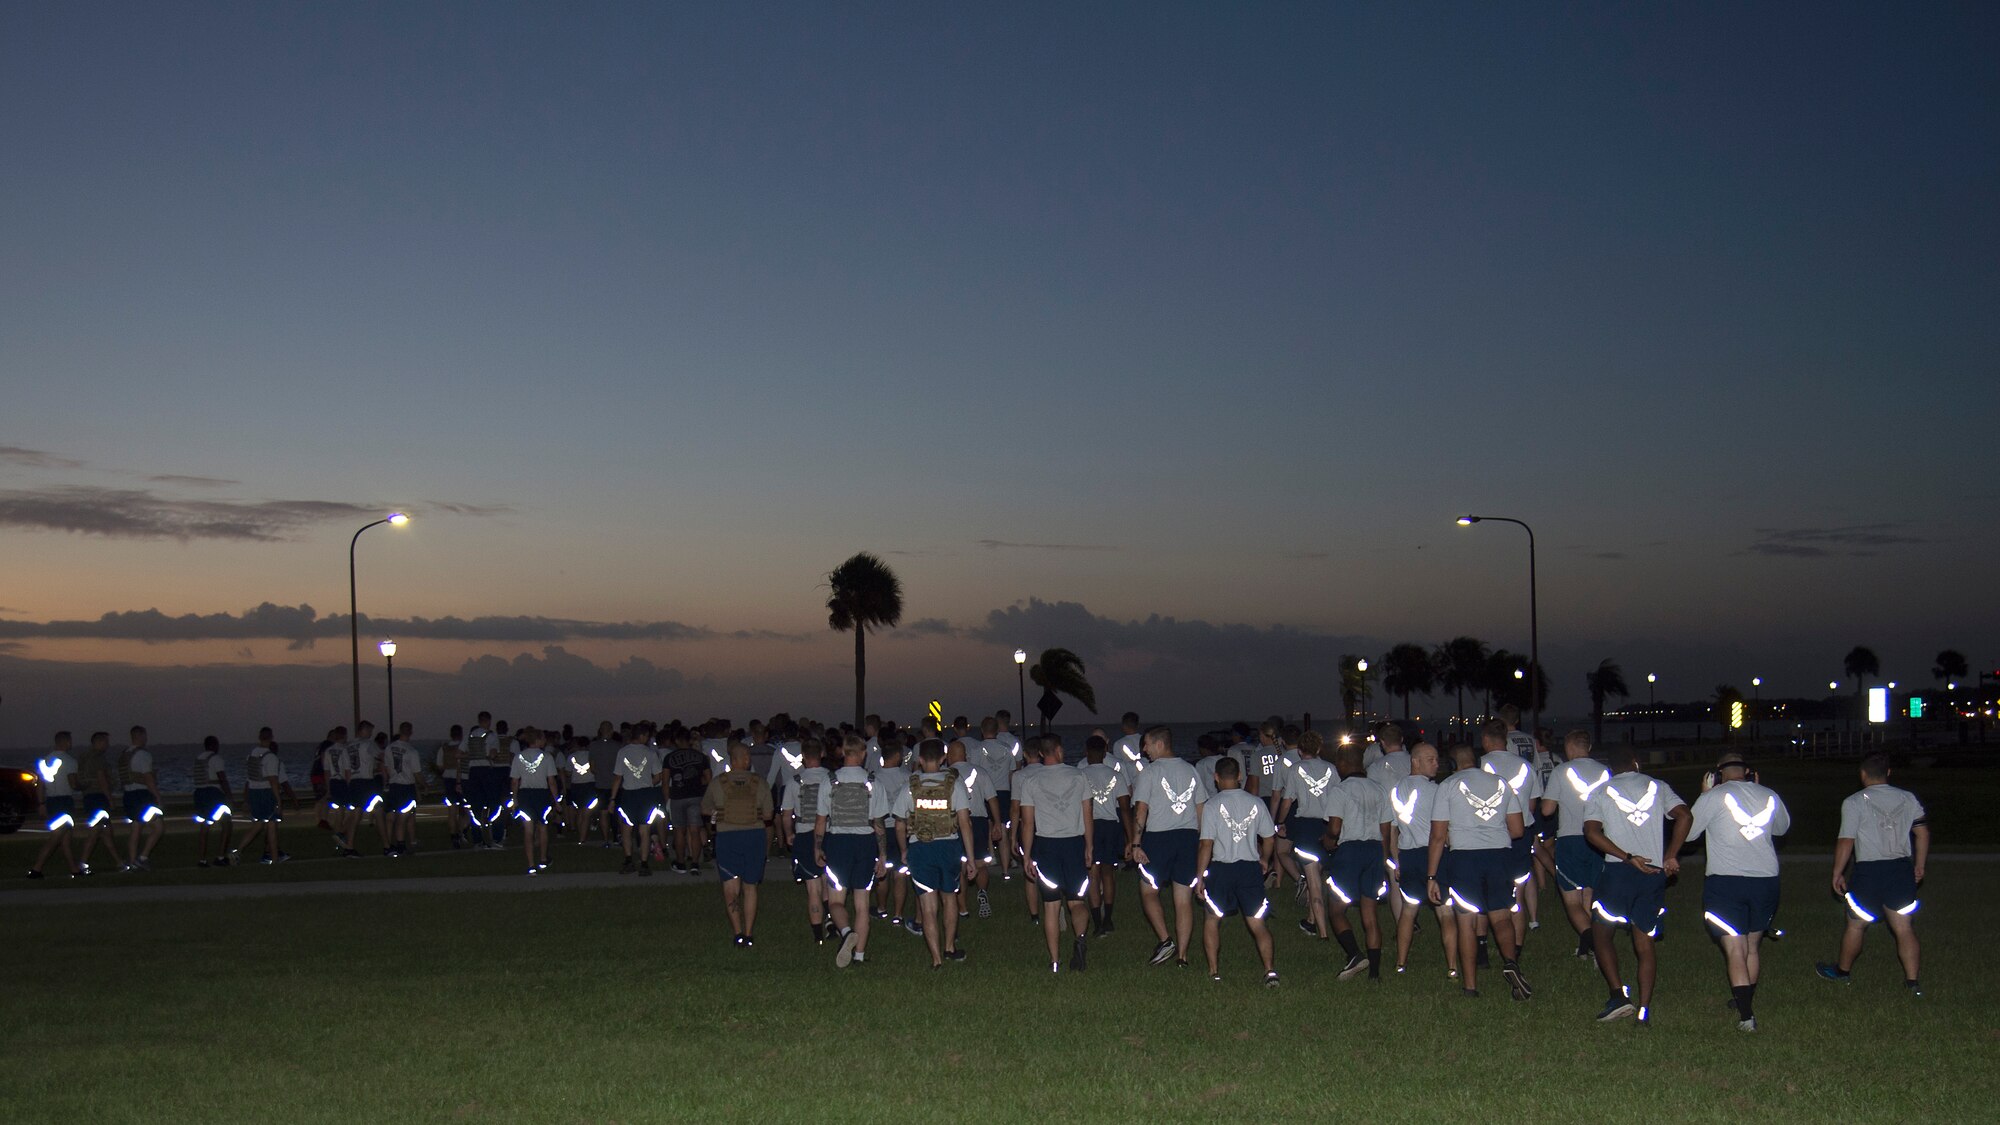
<point>389,654</point>
<point>1652,715</point>
<point>1757,709</point>
<point>353,621</point>
<point>1534,619</point>
<point>1021,674</point>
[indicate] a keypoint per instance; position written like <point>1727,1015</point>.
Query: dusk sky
<point>1174,334</point>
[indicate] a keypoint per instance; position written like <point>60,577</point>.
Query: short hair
<point>931,750</point>
<point>211,743</point>
<point>1511,714</point>
<point>1311,742</point>
<point>1130,718</point>
<point>1875,767</point>
<point>1291,734</point>
<point>1227,770</point>
<point>1390,735</point>
<point>810,750</point>
<point>1578,737</point>
<point>1464,756</point>
<point>989,726</point>
<point>1417,751</point>
<point>1624,758</point>
<point>1493,728</point>
<point>1348,758</point>
<point>853,744</point>
<point>62,736</point>
<point>1163,736</point>
<point>1096,742</point>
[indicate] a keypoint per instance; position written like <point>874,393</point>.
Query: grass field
<point>630,1005</point>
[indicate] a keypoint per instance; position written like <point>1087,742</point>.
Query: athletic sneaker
<point>1164,952</point>
<point>680,868</point>
<point>1271,979</point>
<point>881,915</point>
<point>953,955</point>
<point>736,940</point>
<point>1516,982</point>
<point>33,874</point>
<point>845,957</point>
<point>1356,965</point>
<point>985,907</point>
<point>1746,1025</point>
<point>645,869</point>
<point>1645,1017</point>
<point>534,871</point>
<point>913,926</point>
<point>1916,990</point>
<point>1828,971</point>
<point>201,863</point>
<point>1469,993</point>
<point>1616,1008</point>
<point>1076,957</point>
<point>1216,977</point>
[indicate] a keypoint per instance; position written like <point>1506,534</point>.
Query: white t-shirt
<point>58,774</point>
<point>716,750</point>
<point>534,766</point>
<point>1173,795</point>
<point>137,761</point>
<point>1126,753</point>
<point>1107,785</point>
<point>403,764</point>
<point>638,766</point>
<point>1238,823</point>
<point>1519,776</point>
<point>1879,819</point>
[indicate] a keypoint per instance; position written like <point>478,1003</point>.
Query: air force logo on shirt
<point>1639,811</point>
<point>1486,809</point>
<point>1179,801</point>
<point>1238,829</point>
<point>1316,788</point>
<point>1103,796</point>
<point>1583,788</point>
<point>1405,810</point>
<point>1750,827</point>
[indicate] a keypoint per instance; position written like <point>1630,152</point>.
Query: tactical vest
<point>202,778</point>
<point>253,769</point>
<point>125,774</point>
<point>474,753</point>
<point>739,800</point>
<point>849,805</point>
<point>808,806</point>
<point>931,817</point>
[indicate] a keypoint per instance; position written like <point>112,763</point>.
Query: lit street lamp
<point>397,519</point>
<point>1021,674</point>
<point>1367,690</point>
<point>1756,708</point>
<point>389,654</point>
<point>1534,625</point>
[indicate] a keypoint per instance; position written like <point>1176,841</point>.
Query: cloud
<point>558,672</point>
<point>197,482</point>
<point>124,513</point>
<point>302,624</point>
<point>1814,542</point>
<point>36,458</point>
<point>925,627</point>
<point>478,510</point>
<point>995,544</point>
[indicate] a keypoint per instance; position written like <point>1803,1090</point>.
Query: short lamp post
<point>389,654</point>
<point>1021,677</point>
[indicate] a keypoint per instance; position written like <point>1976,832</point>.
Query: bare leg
<point>749,908</point>
<point>1468,935</point>
<point>1183,917</point>
<point>1211,941</point>
<point>1261,934</point>
<point>732,906</point>
<point>1149,905</point>
<point>927,907</point>
<point>1907,950</point>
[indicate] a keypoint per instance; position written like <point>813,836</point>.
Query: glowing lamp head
<point>1652,678</point>
<point>1833,685</point>
<point>1020,656</point>
<point>1361,665</point>
<point>1467,521</point>
<point>388,648</point>
<point>398,519</point>
<point>1519,674</point>
<point>1756,681</point>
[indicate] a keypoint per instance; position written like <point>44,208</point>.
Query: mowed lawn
<point>630,1005</point>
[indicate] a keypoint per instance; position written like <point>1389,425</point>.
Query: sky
<point>1175,334</point>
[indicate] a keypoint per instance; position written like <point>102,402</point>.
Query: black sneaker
<point>749,942</point>
<point>1616,1008</point>
<point>626,868</point>
<point>1469,993</point>
<point>36,874</point>
<point>1163,952</point>
<point>1307,928</point>
<point>645,869</point>
<point>1829,971</point>
<point>201,863</point>
<point>1517,983</point>
<point>1915,990</point>
<point>221,861</point>
<point>1076,958</point>
<point>1271,979</point>
<point>1356,965</point>
<point>953,954</point>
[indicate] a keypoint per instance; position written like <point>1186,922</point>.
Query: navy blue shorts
<point>1578,865</point>
<point>403,798</point>
<point>337,794</point>
<point>1522,855</point>
<point>1882,887</point>
<point>739,854</point>
<point>1107,842</point>
<point>582,795</point>
<point>935,864</point>
<point>850,860</point>
<point>982,844</point>
<point>1357,873</point>
<point>1307,834</point>
<point>640,807</point>
<point>1740,905</point>
<point>532,805</point>
<point>96,809</point>
<point>1627,896</point>
<point>139,806</point>
<point>1234,888</point>
<point>805,865</point>
<point>366,795</point>
<point>1059,867</point>
<point>1006,797</point>
<point>1413,874</point>
<point>62,812</point>
<point>1482,880</point>
<point>210,805</point>
<point>263,806</point>
<point>1170,857</point>
<point>454,792</point>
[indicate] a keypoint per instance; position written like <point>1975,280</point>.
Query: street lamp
<point>1756,708</point>
<point>389,654</point>
<point>1652,715</point>
<point>1534,622</point>
<point>1021,675</point>
<point>396,519</point>
<point>1367,690</point>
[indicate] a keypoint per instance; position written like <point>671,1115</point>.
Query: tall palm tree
<point>1354,682</point>
<point>1860,664</point>
<point>1606,681</point>
<point>1512,675</point>
<point>1406,671</point>
<point>1461,664</point>
<point>1951,666</point>
<point>1061,671</point>
<point>1499,673</point>
<point>865,594</point>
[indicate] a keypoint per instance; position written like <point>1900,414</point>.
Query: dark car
<point>18,797</point>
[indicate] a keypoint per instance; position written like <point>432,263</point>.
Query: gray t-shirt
<point>1106,786</point>
<point>1520,777</point>
<point>1366,807</point>
<point>1475,804</point>
<point>1410,803</point>
<point>638,766</point>
<point>810,786</point>
<point>889,781</point>
<point>1633,810</point>
<point>978,786</point>
<point>1572,786</point>
<point>1237,822</point>
<point>1172,793</point>
<point>1057,794</point>
<point>1314,789</point>
<point>1879,819</point>
<point>1740,820</point>
<point>1388,769</point>
<point>1266,763</point>
<point>1129,758</point>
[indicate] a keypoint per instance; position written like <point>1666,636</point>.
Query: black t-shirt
<point>684,766</point>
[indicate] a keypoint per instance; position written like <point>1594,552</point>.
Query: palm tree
<point>1500,665</point>
<point>1951,666</point>
<point>1353,684</point>
<point>1607,681</point>
<point>1860,664</point>
<point>1061,671</point>
<point>1511,675</point>
<point>1461,664</point>
<point>1407,670</point>
<point>865,593</point>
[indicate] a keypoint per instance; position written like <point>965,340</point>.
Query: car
<point>19,796</point>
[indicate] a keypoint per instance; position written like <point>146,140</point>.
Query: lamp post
<point>1534,619</point>
<point>1367,690</point>
<point>1021,676</point>
<point>389,654</point>
<point>1756,709</point>
<point>1652,715</point>
<point>397,519</point>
